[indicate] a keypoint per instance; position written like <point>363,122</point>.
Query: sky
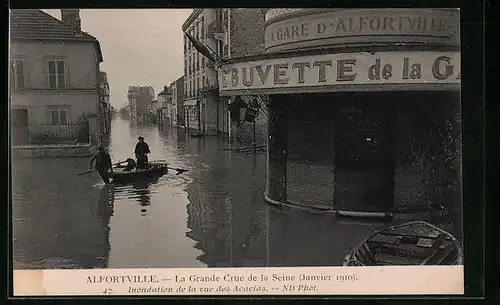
<point>139,46</point>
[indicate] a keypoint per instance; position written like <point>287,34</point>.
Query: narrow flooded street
<point>213,215</point>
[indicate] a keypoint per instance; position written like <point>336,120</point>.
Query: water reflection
<point>300,238</point>
<point>57,223</point>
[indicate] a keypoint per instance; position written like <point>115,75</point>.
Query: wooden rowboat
<point>154,170</point>
<point>412,243</point>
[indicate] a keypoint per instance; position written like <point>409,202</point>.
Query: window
<point>185,43</point>
<point>220,47</point>
<point>57,75</point>
<point>17,74</point>
<point>203,81</point>
<point>59,116</point>
<point>202,29</point>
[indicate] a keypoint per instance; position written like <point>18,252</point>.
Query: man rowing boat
<point>103,163</point>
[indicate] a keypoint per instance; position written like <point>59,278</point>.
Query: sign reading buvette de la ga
<point>341,72</point>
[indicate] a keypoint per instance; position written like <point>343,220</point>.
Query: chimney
<point>71,17</point>
<point>165,88</point>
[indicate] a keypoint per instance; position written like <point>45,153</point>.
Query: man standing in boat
<point>102,163</point>
<point>141,153</point>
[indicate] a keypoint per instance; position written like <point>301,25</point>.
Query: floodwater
<point>213,215</point>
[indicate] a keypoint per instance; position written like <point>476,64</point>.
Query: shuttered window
<point>17,74</point>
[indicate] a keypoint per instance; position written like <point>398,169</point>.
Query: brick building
<point>228,33</point>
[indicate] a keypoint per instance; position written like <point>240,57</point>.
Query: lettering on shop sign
<point>356,25</point>
<point>390,67</point>
<point>425,25</point>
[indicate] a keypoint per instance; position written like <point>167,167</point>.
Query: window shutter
<point>47,74</point>
<point>20,82</point>
<point>67,75</point>
<point>63,116</point>
<point>12,75</point>
<point>61,74</point>
<point>54,117</point>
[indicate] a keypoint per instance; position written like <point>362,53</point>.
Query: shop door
<point>364,163</point>
<point>20,130</point>
<point>310,151</point>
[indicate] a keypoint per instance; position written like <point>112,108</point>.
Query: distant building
<point>140,98</point>
<point>54,78</point>
<point>165,101</point>
<point>229,33</point>
<point>177,88</point>
<point>133,93</point>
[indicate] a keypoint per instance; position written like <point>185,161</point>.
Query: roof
<point>191,18</point>
<point>36,24</point>
<point>165,92</point>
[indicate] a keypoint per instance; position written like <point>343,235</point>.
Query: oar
<point>86,172</point>
<point>91,170</point>
<point>179,170</point>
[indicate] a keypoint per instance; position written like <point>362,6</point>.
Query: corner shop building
<point>362,104</point>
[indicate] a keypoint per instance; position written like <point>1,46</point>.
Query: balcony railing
<point>214,28</point>
<point>44,134</point>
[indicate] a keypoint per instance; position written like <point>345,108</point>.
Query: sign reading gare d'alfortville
<point>340,69</point>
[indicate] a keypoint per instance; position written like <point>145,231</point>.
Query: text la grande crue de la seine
<point>214,278</point>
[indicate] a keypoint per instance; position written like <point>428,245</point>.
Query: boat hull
<point>413,243</point>
<point>123,177</point>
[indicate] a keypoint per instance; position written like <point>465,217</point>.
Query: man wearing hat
<point>102,163</point>
<point>141,151</point>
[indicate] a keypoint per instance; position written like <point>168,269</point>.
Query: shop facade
<point>364,107</point>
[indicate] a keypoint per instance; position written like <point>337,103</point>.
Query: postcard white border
<point>391,280</point>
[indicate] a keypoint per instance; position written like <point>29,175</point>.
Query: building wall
<point>82,77</point>
<point>246,32</point>
<point>81,63</point>
<point>247,38</point>
<point>180,100</point>
<point>40,104</point>
<point>80,96</point>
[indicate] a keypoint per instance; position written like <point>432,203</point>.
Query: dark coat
<point>142,148</point>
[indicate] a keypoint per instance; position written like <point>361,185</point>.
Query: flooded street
<point>213,215</point>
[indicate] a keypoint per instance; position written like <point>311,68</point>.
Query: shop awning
<point>191,102</point>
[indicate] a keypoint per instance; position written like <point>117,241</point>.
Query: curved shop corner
<point>364,107</point>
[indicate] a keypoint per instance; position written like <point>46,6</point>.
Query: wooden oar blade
<point>86,172</point>
<point>180,171</point>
